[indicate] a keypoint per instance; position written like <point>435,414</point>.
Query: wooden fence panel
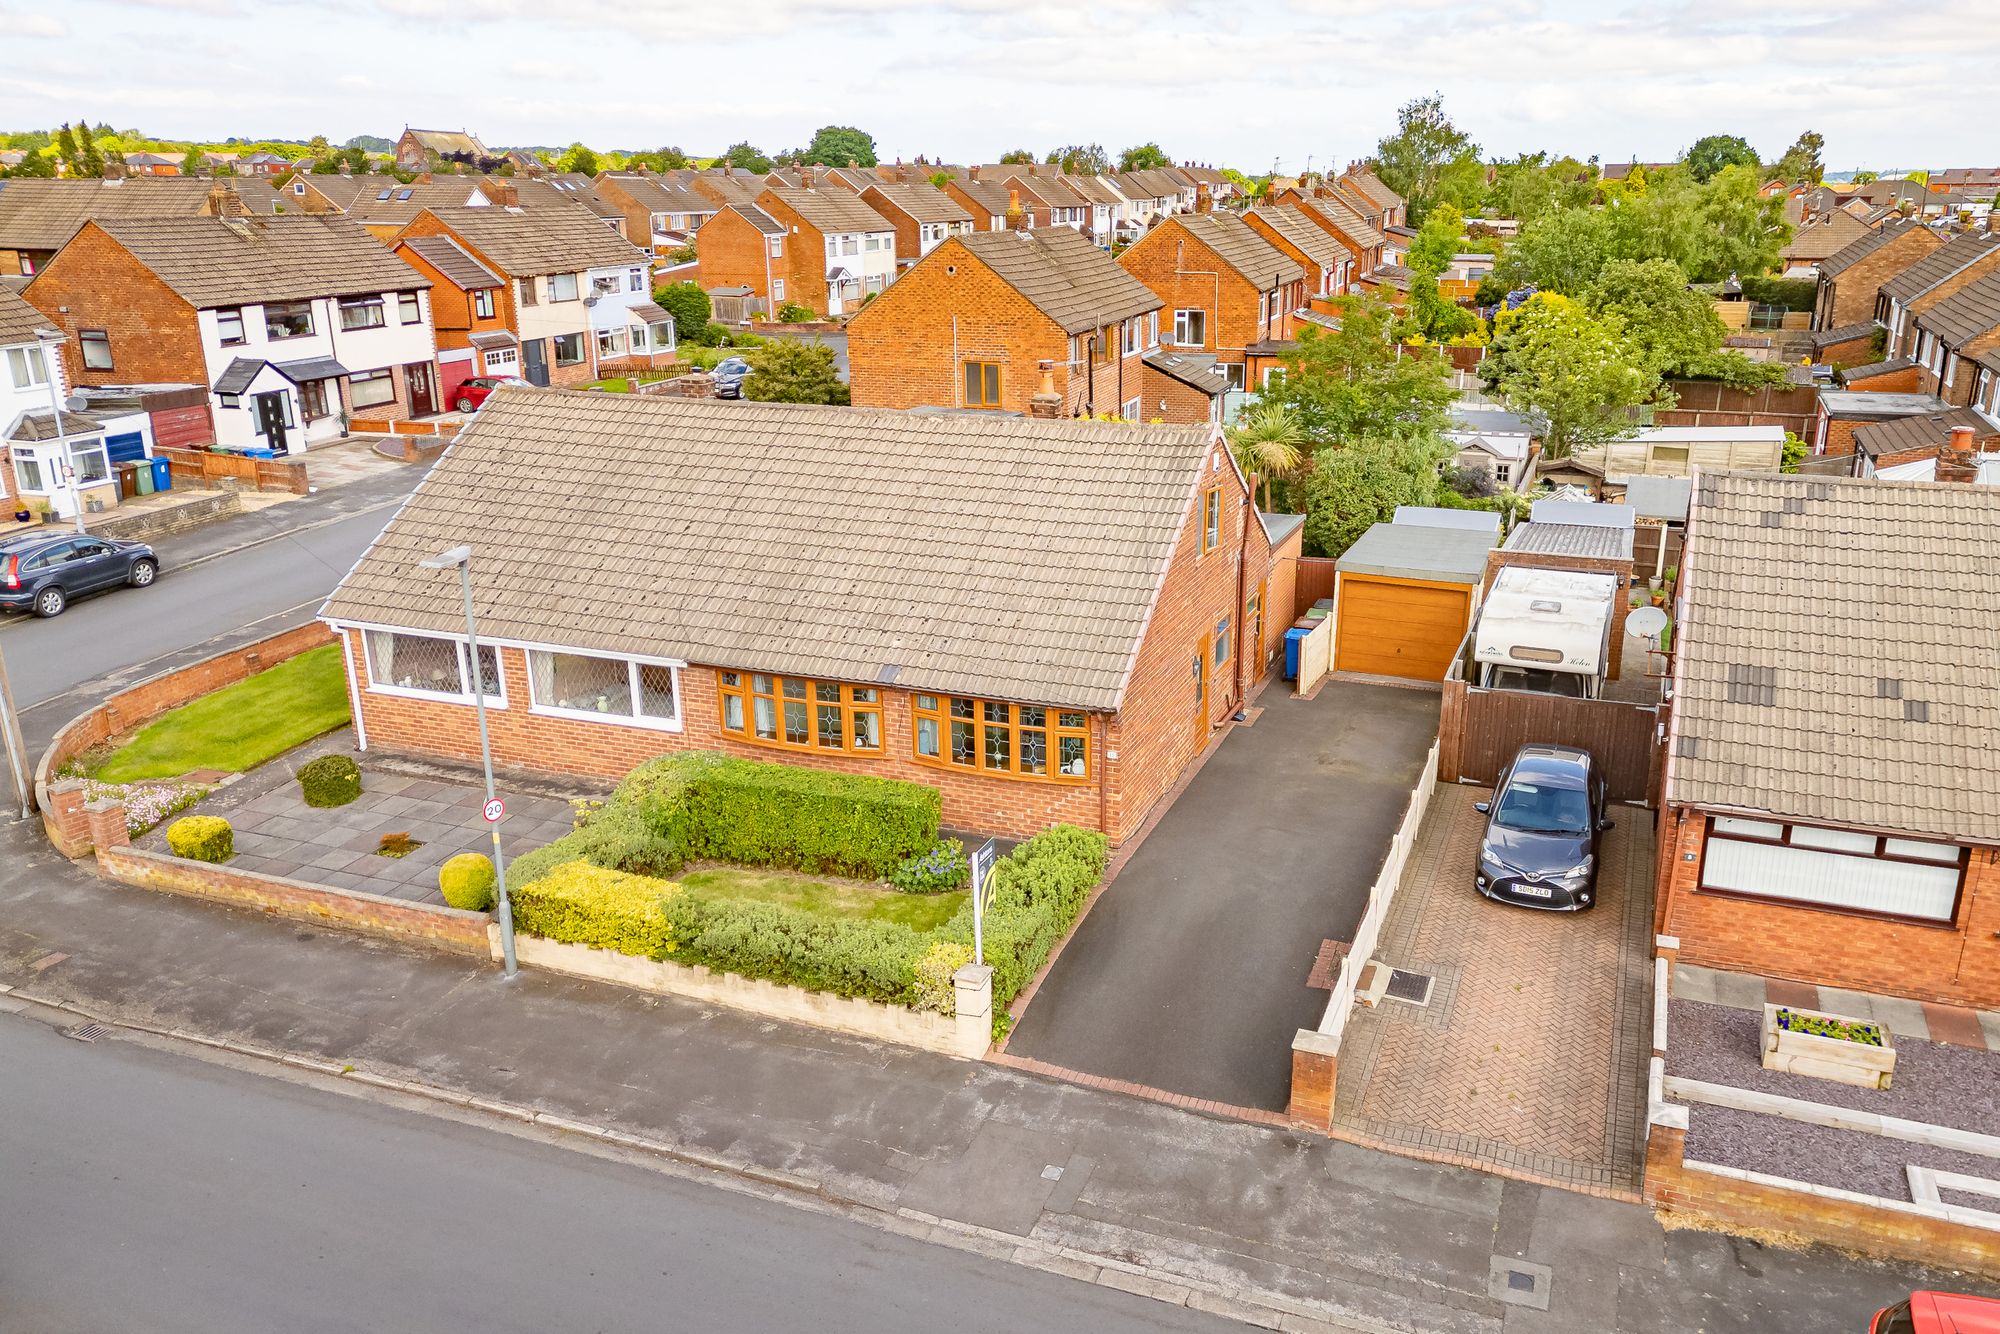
<point>1491,725</point>
<point>1316,576</point>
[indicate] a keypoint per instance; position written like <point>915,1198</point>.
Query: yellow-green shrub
<point>607,910</point>
<point>202,838</point>
<point>936,991</point>
<point>466,881</point>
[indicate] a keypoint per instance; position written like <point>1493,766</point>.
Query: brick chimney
<point>1017,220</point>
<point>224,202</point>
<point>972,173</point>
<point>902,174</point>
<point>1204,202</point>
<point>503,194</point>
<point>1956,461</point>
<point>806,176</point>
<point>1046,403</point>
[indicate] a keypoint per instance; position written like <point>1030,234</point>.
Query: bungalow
<point>295,323</point>
<point>1831,807</point>
<point>870,613</point>
<point>922,215</point>
<point>998,320</point>
<point>1228,289</point>
<point>579,296</point>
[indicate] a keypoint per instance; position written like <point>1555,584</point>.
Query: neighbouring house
<point>1963,259</point>
<point>869,613</point>
<point>1668,451</point>
<point>1224,287</point>
<point>296,324</point>
<point>1839,413</point>
<point>1046,199</point>
<point>38,216</point>
<point>1952,340</point>
<point>726,187</point>
<point>392,206</point>
<point>32,386</point>
<point>1184,387</point>
<point>923,216</point>
<point>988,203</point>
<point>1506,459</point>
<point>1897,375</point>
<point>1850,278</point>
<point>336,192</point>
<point>743,252</point>
<point>579,296</point>
<point>996,320</point>
<point>577,188</point>
<point>1831,811</point>
<point>1328,264</point>
<point>1376,201</point>
<point>1908,449</point>
<point>151,164</point>
<point>262,164</point>
<point>831,253</point>
<point>659,214</point>
<point>1818,237</point>
<point>1338,219</point>
<point>472,313</point>
<point>417,150</point>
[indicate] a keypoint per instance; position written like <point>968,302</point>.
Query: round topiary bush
<point>202,838</point>
<point>466,881</point>
<point>330,780</point>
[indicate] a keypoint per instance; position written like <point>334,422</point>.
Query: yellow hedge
<point>607,910</point>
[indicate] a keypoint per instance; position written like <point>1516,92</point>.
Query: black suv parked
<point>41,572</point>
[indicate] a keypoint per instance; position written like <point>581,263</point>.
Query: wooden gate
<point>1479,730</point>
<point>1316,576</point>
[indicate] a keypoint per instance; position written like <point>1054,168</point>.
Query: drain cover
<point>89,1032</point>
<point>1412,988</point>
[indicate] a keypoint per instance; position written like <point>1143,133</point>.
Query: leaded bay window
<point>604,689</point>
<point>429,665</point>
<point>989,736</point>
<point>800,713</point>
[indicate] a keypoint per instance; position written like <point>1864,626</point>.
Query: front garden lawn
<point>239,727</point>
<point>823,895</point>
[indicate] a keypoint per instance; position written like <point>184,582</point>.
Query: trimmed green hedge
<point>466,881</point>
<point>330,780</point>
<point>1038,890</point>
<point>607,910</point>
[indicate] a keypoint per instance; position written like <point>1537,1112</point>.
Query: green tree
<point>318,149</point>
<point>1671,329</point>
<point>1802,163</point>
<point>1735,230</point>
<point>1355,381</point>
<point>1015,156</point>
<point>838,145</point>
<point>1080,159</point>
<point>1712,152</point>
<point>1414,159</point>
<point>1430,254</point>
<point>744,155</point>
<point>1865,177</point>
<point>577,158</point>
<point>663,159</point>
<point>1360,484</point>
<point>89,159</point>
<point>1552,356</point>
<point>792,370</point>
<point>940,179</point>
<point>690,307</point>
<point>35,164</point>
<point>1562,251</point>
<point>1143,157</point>
<point>1268,441</point>
<point>66,149</point>
<point>1533,185</point>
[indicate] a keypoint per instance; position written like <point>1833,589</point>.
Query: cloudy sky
<point>1235,82</point>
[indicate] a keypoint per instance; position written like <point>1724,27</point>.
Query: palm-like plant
<point>1268,441</point>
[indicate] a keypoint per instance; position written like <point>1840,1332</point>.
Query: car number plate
<point>1535,891</point>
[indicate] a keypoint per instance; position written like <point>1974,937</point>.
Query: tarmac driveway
<point>1190,972</point>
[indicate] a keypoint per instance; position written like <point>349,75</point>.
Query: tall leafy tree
<point>1669,328</point>
<point>1354,381</point>
<point>318,148</point>
<point>1554,357</point>
<point>35,164</point>
<point>1360,484</point>
<point>1430,254</point>
<point>89,159</point>
<point>1017,155</point>
<point>1414,160</point>
<point>838,145</point>
<point>1080,159</point>
<point>66,149</point>
<point>1143,157</point>
<point>579,158</point>
<point>1533,184</point>
<point>746,156</point>
<point>1562,251</point>
<point>666,159</point>
<point>1712,152</point>
<point>690,307</point>
<point>1802,163</point>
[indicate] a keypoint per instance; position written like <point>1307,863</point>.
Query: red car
<point>470,395</point>
<point>1939,1313</point>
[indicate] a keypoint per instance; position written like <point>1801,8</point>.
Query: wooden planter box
<point>1859,1063</point>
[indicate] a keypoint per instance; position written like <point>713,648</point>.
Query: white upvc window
<point>1191,328</point>
<point>1153,329</point>
<point>562,287</point>
<point>1841,869</point>
<point>423,666</point>
<point>777,289</point>
<point>635,692</point>
<point>27,367</point>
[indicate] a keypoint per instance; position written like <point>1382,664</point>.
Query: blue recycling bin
<point>1293,638</point>
<point>163,474</point>
<point>260,453</point>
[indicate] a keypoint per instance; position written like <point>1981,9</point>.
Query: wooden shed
<point>1405,593</point>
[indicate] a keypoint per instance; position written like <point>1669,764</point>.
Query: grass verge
<point>823,895</point>
<point>241,726</point>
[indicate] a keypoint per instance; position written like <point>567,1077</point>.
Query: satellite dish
<point>76,403</point>
<point>1646,622</point>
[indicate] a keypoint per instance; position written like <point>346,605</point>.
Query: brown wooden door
<point>1202,648</point>
<point>1399,627</point>
<point>423,388</point>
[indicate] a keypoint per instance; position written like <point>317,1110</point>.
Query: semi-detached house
<point>1959,261</point>
<point>825,250</point>
<point>1227,291</point>
<point>1044,620</point>
<point>1328,265</point>
<point>923,215</point>
<point>579,296</point>
<point>294,323</point>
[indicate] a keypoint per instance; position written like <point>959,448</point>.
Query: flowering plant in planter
<point>1830,1026</point>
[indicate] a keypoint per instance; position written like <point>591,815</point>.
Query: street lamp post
<point>461,558</point>
<point>50,340</point>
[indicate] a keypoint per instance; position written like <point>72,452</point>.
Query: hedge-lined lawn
<point>826,897</point>
<point>239,727</point>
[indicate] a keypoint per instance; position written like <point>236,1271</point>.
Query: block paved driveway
<point>1189,973</point>
<point>1531,1056</point>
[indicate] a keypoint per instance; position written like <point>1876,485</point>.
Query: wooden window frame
<point>939,712</point>
<point>986,370</point>
<point>1784,840</point>
<point>741,686</point>
<point>1211,519</point>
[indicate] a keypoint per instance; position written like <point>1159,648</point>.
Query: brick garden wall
<point>1955,964</point>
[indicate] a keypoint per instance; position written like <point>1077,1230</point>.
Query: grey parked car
<point>1542,829</point>
<point>729,376</point>
<point>41,572</point>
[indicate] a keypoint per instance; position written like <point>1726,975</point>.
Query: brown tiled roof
<point>1241,248</point>
<point>658,196</point>
<point>1397,276</point>
<point>1053,191</point>
<point>342,191</point>
<point>1966,314</point>
<point>568,185</point>
<point>1930,428</point>
<point>831,210</point>
<point>526,243</point>
<point>924,203</point>
<point>1865,245</point>
<point>460,269</point>
<point>1067,278</point>
<point>1092,190</point>
<point>757,218</point>
<point>1342,215</point>
<point>1855,374</point>
<point>840,543</point>
<point>727,189</point>
<point>990,195</point>
<point>1302,235</point>
<point>214,262</point>
<point>44,214</point>
<point>404,202</point>
<point>1372,187</point>
<point>1939,265</point>
<point>1815,240</point>
<point>18,319</point>
<point>1862,695</point>
<point>450,141</point>
<point>1825,338</point>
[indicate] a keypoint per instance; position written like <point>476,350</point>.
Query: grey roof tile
<point>1067,277</point>
<point>535,241</point>
<point>214,262</point>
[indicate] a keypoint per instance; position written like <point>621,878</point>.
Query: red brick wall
<point>95,283</point>
<point>1315,272</point>
<point>803,265</point>
<point>1854,290</point>
<point>730,253</point>
<point>981,219</point>
<point>1171,400</point>
<point>1281,595</point>
<point>1898,381</point>
<point>909,237</point>
<point>1854,352</point>
<point>1957,964</point>
<point>1186,275</point>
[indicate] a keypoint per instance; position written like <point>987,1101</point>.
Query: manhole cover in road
<point>1327,966</point>
<point>1413,988</point>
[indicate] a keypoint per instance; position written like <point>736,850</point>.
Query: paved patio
<point>278,834</point>
<point>1530,1057</point>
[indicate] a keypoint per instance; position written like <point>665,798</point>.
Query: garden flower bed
<point>146,804</point>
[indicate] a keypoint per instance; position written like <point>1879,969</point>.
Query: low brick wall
<point>139,704</point>
<point>144,525</point>
<point>967,1034</point>
<point>445,928</point>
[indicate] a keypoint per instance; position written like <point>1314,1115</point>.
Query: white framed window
<point>371,389</point>
<point>777,244</point>
<point>606,284</point>
<point>27,367</point>
<point>777,289</point>
<point>1841,869</point>
<point>635,280</point>
<point>1131,331</point>
<point>28,473</point>
<point>562,287</point>
<point>400,662</point>
<point>1133,410</point>
<point>568,349</point>
<point>502,360</point>
<point>408,309</point>
<point>850,245</point>
<point>229,400</point>
<point>96,347</point>
<point>1503,472</point>
<point>482,303</point>
<point>612,343</point>
<point>1153,329</point>
<point>361,312</point>
<point>635,692</point>
<point>1191,328</point>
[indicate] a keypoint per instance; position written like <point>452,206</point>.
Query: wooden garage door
<point>1397,627</point>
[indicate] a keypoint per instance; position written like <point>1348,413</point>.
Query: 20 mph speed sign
<point>495,808</point>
